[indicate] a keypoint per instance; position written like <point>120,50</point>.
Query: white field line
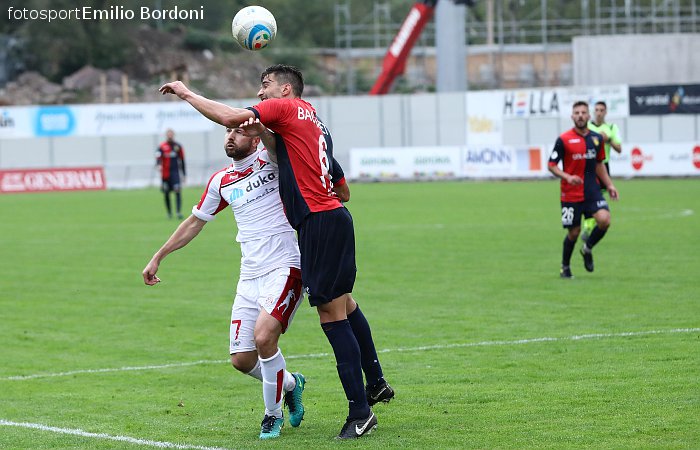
<point>87,434</point>
<point>388,350</point>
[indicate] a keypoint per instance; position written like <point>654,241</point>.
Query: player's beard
<point>236,152</point>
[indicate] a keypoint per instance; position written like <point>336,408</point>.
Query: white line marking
<point>388,350</point>
<point>114,369</point>
<point>130,440</point>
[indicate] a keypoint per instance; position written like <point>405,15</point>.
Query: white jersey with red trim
<point>251,188</point>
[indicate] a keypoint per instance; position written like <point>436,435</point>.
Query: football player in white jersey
<point>269,289</point>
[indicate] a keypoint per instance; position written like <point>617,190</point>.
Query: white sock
<point>289,381</point>
<point>273,378</point>
<point>256,372</point>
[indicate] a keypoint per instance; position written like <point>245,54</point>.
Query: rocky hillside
<point>159,57</point>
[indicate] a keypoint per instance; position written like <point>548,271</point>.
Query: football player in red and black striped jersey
<point>170,157</point>
<point>582,154</point>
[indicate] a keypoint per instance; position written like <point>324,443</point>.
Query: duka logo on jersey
<point>261,181</point>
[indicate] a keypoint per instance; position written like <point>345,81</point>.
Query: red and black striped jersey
<point>304,154</point>
<point>579,155</point>
<point>170,156</point>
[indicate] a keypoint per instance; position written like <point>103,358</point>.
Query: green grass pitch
<point>485,345</point>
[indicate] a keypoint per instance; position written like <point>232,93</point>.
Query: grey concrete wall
<point>636,59</point>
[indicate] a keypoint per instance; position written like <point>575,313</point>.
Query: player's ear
<point>286,89</point>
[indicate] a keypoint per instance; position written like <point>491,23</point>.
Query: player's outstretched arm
<point>214,111</point>
<point>186,231</point>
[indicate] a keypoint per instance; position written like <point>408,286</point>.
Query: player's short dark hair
<point>286,74</point>
<point>580,103</point>
<point>601,103</point>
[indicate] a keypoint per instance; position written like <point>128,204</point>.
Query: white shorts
<point>278,292</point>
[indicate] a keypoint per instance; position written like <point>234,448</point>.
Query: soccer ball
<point>254,27</point>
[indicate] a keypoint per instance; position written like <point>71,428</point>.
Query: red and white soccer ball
<point>254,27</point>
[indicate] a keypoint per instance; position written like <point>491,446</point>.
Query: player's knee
<point>604,222</point>
<point>350,305</point>
<point>241,363</point>
<point>574,233</point>
<point>265,340</point>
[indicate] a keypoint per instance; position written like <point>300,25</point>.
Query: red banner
<point>45,180</point>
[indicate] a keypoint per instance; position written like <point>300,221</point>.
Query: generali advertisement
<point>47,180</point>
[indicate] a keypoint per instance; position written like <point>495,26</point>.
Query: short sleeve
<point>273,112</point>
<point>616,138</point>
<point>600,151</point>
<point>211,202</point>
<point>557,152</point>
<point>337,174</point>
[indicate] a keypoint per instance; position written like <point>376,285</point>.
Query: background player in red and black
<point>170,157</point>
<point>325,228</point>
<point>582,154</point>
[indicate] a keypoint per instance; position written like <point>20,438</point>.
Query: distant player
<point>269,289</point>
<point>612,140</point>
<point>170,157</point>
<point>325,228</point>
<point>582,154</point>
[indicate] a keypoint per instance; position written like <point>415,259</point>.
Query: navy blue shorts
<point>170,185</point>
<point>571,211</point>
<point>327,244</point>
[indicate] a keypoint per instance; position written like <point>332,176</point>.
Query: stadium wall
<point>495,134</point>
<point>636,59</point>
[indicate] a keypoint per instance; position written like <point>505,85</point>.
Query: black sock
<point>167,204</point>
<point>568,250</point>
<point>347,358</point>
<point>596,235</point>
<point>363,334</point>
<point>178,202</point>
